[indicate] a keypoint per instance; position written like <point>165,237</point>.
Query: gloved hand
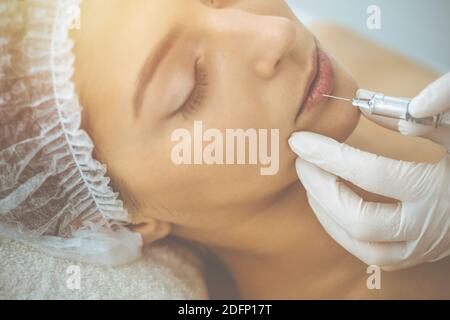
<point>393,236</point>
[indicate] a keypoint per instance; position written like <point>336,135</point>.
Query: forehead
<point>118,32</point>
<point>149,13</point>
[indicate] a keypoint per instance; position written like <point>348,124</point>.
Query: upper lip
<point>312,76</point>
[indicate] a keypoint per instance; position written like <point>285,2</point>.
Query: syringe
<point>395,107</point>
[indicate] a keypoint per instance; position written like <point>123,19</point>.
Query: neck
<point>283,252</point>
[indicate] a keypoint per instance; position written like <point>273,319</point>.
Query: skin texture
<point>257,57</point>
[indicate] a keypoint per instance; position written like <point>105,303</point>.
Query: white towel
<point>166,272</point>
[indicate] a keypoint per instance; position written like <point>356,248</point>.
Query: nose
<point>263,40</point>
<point>273,40</point>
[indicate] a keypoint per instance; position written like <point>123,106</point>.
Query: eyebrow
<point>151,64</point>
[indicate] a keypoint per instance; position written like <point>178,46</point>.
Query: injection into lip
<point>396,108</point>
<point>337,98</point>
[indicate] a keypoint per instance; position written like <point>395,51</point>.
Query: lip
<point>320,82</point>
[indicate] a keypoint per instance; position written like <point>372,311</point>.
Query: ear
<point>151,229</point>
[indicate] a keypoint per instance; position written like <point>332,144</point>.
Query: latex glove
<point>393,236</point>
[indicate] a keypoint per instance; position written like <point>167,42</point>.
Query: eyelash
<point>198,93</point>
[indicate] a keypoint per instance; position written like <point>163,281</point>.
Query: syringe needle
<point>338,98</point>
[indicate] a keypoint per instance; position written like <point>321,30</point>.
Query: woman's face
<point>146,68</point>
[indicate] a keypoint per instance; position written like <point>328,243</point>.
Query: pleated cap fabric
<point>53,194</point>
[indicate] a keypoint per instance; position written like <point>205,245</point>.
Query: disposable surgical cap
<point>53,194</point>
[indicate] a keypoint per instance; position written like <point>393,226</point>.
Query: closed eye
<point>198,93</point>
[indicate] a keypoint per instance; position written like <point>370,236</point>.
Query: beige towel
<point>165,272</point>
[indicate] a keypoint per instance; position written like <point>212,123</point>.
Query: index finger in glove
<point>373,173</point>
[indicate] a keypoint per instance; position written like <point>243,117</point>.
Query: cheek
<point>203,187</point>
